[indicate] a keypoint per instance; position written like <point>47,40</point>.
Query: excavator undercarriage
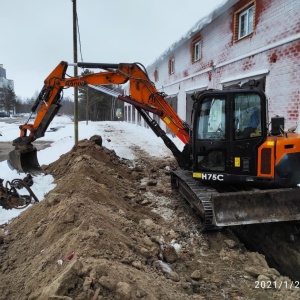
<point>221,205</point>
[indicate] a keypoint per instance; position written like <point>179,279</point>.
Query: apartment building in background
<point>4,82</point>
<point>239,41</point>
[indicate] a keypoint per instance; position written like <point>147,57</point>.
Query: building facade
<point>4,82</point>
<point>242,40</point>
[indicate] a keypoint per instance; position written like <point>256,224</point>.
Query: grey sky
<point>37,34</point>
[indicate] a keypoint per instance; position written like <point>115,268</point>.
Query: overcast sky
<point>37,34</point>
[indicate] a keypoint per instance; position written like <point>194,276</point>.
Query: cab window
<point>247,116</point>
<point>211,119</point>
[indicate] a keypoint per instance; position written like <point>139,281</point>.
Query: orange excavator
<point>233,170</point>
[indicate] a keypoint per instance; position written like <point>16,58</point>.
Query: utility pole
<point>87,105</point>
<point>75,71</point>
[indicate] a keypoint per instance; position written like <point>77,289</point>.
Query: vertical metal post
<point>87,105</point>
<point>75,72</point>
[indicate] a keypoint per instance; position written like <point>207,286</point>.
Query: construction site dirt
<point>114,229</point>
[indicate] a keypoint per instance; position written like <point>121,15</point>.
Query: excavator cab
<point>233,144</point>
<point>229,128</point>
<point>254,172</point>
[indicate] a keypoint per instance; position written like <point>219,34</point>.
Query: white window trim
<point>247,29</point>
<point>194,89</point>
<point>246,76</point>
<point>197,45</point>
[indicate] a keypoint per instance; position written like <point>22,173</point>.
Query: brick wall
<point>272,50</point>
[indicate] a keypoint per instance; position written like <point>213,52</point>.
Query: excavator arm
<point>143,95</point>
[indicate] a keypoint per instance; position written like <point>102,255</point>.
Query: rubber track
<point>197,194</point>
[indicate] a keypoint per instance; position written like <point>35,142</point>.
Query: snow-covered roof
<point>197,27</point>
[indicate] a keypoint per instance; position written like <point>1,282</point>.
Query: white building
<point>242,40</point>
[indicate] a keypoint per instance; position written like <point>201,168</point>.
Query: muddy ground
<point>114,229</point>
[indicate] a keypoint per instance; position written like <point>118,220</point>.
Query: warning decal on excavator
<point>167,120</point>
<point>197,175</point>
<point>237,161</point>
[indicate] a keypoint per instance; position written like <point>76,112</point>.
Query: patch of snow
<point>165,267</point>
<point>118,136</point>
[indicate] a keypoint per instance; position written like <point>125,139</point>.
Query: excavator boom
<point>143,95</point>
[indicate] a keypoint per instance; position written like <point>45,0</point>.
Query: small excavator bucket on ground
<point>237,208</point>
<point>24,160</point>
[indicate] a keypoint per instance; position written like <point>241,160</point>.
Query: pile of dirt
<point>113,229</point>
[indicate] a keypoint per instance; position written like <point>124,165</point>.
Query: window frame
<point>171,65</point>
<point>212,119</point>
<point>240,12</point>
<point>195,44</point>
<point>246,13</point>
<point>247,109</point>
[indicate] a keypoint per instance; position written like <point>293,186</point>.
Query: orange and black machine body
<point>232,141</point>
<point>229,145</point>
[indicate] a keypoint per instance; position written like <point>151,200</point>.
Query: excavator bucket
<point>24,160</point>
<point>237,208</point>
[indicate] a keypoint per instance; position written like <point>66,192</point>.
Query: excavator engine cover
<point>24,160</point>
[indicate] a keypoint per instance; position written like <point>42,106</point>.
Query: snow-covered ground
<point>119,136</point>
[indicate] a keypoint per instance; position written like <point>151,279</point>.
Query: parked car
<point>3,114</point>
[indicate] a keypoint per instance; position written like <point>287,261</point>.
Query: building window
<point>156,77</point>
<point>245,22</point>
<point>197,51</point>
<point>172,65</point>
<point>196,48</point>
